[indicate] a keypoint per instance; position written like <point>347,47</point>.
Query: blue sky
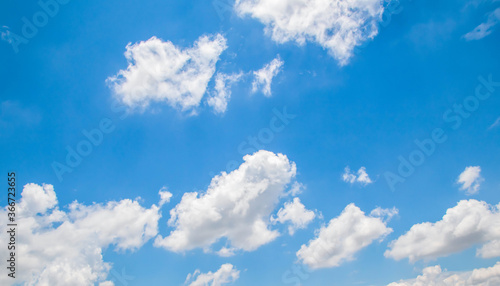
<point>358,94</point>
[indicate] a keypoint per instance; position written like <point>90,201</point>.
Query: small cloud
<point>361,177</point>
<point>5,34</point>
<point>385,214</point>
<point>219,99</point>
<point>486,28</point>
<point>165,196</point>
<point>495,124</point>
<point>296,213</point>
<point>264,76</point>
<point>226,274</point>
<point>471,180</point>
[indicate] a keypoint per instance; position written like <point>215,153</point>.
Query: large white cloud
<point>263,78</point>
<point>159,71</point>
<point>337,25</point>
<point>226,274</point>
<point>471,180</point>
<point>344,236</point>
<point>295,213</point>
<point>58,247</point>
<point>469,223</point>
<point>435,276</point>
<point>237,206</point>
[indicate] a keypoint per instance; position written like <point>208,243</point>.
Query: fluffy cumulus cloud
<point>342,238</point>
<point>469,223</point>
<point>237,207</point>
<point>337,25</point>
<point>295,213</point>
<point>263,78</point>
<point>471,180</point>
<point>165,196</point>
<point>222,93</point>
<point>435,276</point>
<point>486,28</point>
<point>360,177</point>
<point>65,247</point>
<point>159,71</point>
<point>226,274</point>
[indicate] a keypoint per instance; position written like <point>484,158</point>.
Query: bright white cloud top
<point>263,78</point>
<point>435,276</point>
<point>486,28</point>
<point>65,247</point>
<point>295,213</point>
<point>344,236</point>
<point>471,180</point>
<point>237,206</point>
<point>361,177</point>
<point>337,25</point>
<point>159,71</point>
<point>467,224</point>
<point>226,274</point>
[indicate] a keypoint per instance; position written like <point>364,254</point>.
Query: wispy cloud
<point>486,28</point>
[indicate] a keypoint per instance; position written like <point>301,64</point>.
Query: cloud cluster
<point>295,213</point>
<point>337,25</point>
<point>471,180</point>
<point>65,247</point>
<point>469,223</point>
<point>435,276</point>
<point>225,275</point>
<point>361,177</point>
<point>159,71</point>
<point>237,206</point>
<point>344,236</point>
<point>264,77</point>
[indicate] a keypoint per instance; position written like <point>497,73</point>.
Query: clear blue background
<point>395,90</point>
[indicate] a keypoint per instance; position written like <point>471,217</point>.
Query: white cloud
<point>469,223</point>
<point>296,213</point>
<point>362,177</point>
<point>486,28</point>
<point>385,214</point>
<point>165,196</point>
<point>237,206</point>
<point>495,124</point>
<point>65,247</point>
<point>342,238</point>
<point>224,276</point>
<point>5,34</point>
<point>158,71</point>
<point>337,25</point>
<point>264,76</point>
<point>434,276</point>
<point>471,180</point>
<point>218,101</point>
